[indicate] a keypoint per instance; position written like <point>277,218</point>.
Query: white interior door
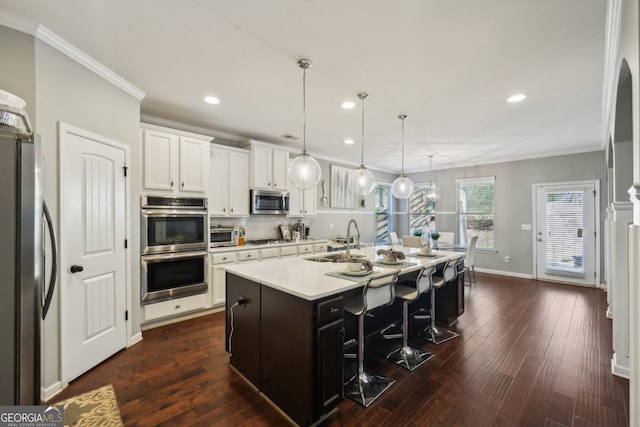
<point>565,233</point>
<point>93,256</point>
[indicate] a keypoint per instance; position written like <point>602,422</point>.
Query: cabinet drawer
<point>319,247</point>
<point>288,251</point>
<point>329,310</point>
<point>224,257</point>
<point>305,249</point>
<point>269,253</point>
<point>248,255</point>
<point>174,307</point>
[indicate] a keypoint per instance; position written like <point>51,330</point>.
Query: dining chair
<point>469,261</point>
<point>411,242</point>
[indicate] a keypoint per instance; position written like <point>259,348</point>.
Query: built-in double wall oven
<point>174,241</point>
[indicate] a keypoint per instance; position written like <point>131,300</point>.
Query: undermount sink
<point>336,258</point>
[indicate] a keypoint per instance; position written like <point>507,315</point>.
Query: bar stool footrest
<point>438,335</point>
<point>365,388</point>
<point>409,357</point>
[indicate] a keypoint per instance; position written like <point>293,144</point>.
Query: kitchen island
<point>285,327</point>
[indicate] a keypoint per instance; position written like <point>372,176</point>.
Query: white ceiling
<point>448,64</point>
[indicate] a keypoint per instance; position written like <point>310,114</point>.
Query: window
<point>476,209</point>
<point>420,211</point>
<point>383,213</point>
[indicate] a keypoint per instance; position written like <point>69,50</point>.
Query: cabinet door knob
<point>76,268</point>
<point>183,185</point>
<point>224,209</point>
<point>231,210</point>
<point>171,185</point>
<point>178,306</point>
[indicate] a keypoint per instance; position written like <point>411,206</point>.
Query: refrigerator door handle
<point>54,261</point>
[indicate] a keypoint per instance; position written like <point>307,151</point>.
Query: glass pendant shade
<point>402,187</point>
<point>365,181</point>
<point>304,171</point>
<point>432,193</point>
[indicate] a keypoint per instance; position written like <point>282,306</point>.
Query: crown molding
<point>611,65</point>
<point>52,39</point>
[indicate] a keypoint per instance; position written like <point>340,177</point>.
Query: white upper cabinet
<point>269,167</point>
<point>302,202</point>
<point>175,163</point>
<point>229,182</point>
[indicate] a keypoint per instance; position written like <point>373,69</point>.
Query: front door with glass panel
<point>565,235</point>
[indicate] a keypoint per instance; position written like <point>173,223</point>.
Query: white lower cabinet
<point>305,249</point>
<point>218,274</point>
<point>174,307</point>
<point>320,247</point>
<point>288,251</point>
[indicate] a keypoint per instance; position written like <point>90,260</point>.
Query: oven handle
<point>172,213</point>
<point>175,255</point>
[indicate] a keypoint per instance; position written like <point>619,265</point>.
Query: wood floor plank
<point>530,353</point>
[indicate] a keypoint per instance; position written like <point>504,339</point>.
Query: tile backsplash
<point>262,226</point>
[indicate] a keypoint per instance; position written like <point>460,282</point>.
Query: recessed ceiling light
<point>349,141</point>
<point>211,100</point>
<point>517,97</point>
<point>348,105</point>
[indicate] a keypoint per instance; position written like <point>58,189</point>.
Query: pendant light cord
<point>304,111</point>
<point>362,97</point>
<point>402,117</point>
<point>304,63</point>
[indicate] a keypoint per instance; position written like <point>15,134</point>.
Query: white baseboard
<point>504,273</point>
<point>619,370</point>
<point>47,393</point>
<point>135,339</point>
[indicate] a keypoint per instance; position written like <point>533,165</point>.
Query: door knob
<point>76,268</point>
<point>539,240</point>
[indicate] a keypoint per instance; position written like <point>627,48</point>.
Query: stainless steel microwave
<point>269,202</point>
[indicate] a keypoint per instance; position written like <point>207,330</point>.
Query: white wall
<point>57,88</point>
<point>68,92</point>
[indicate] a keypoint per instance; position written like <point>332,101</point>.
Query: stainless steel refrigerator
<point>23,300</point>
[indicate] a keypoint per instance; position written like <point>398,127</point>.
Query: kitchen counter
<point>278,244</point>
<point>308,280</point>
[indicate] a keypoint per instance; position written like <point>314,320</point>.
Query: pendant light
<point>432,192</point>
<point>402,186</point>
<point>304,171</point>
<point>365,179</point>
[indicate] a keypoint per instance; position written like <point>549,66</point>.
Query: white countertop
<point>308,280</point>
<point>266,245</point>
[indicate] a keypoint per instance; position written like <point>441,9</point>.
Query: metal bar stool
<point>404,355</point>
<point>379,290</point>
<point>432,333</point>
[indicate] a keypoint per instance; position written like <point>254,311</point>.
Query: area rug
<point>98,407</point>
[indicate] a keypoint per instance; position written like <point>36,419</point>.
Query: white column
<point>608,259</point>
<point>622,219</point>
<point>634,308</point>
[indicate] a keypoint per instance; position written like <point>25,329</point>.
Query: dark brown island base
<point>285,328</point>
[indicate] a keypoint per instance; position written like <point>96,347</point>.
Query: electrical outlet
<point>507,259</point>
<point>330,226</point>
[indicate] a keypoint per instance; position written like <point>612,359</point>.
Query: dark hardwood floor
<point>529,354</point>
